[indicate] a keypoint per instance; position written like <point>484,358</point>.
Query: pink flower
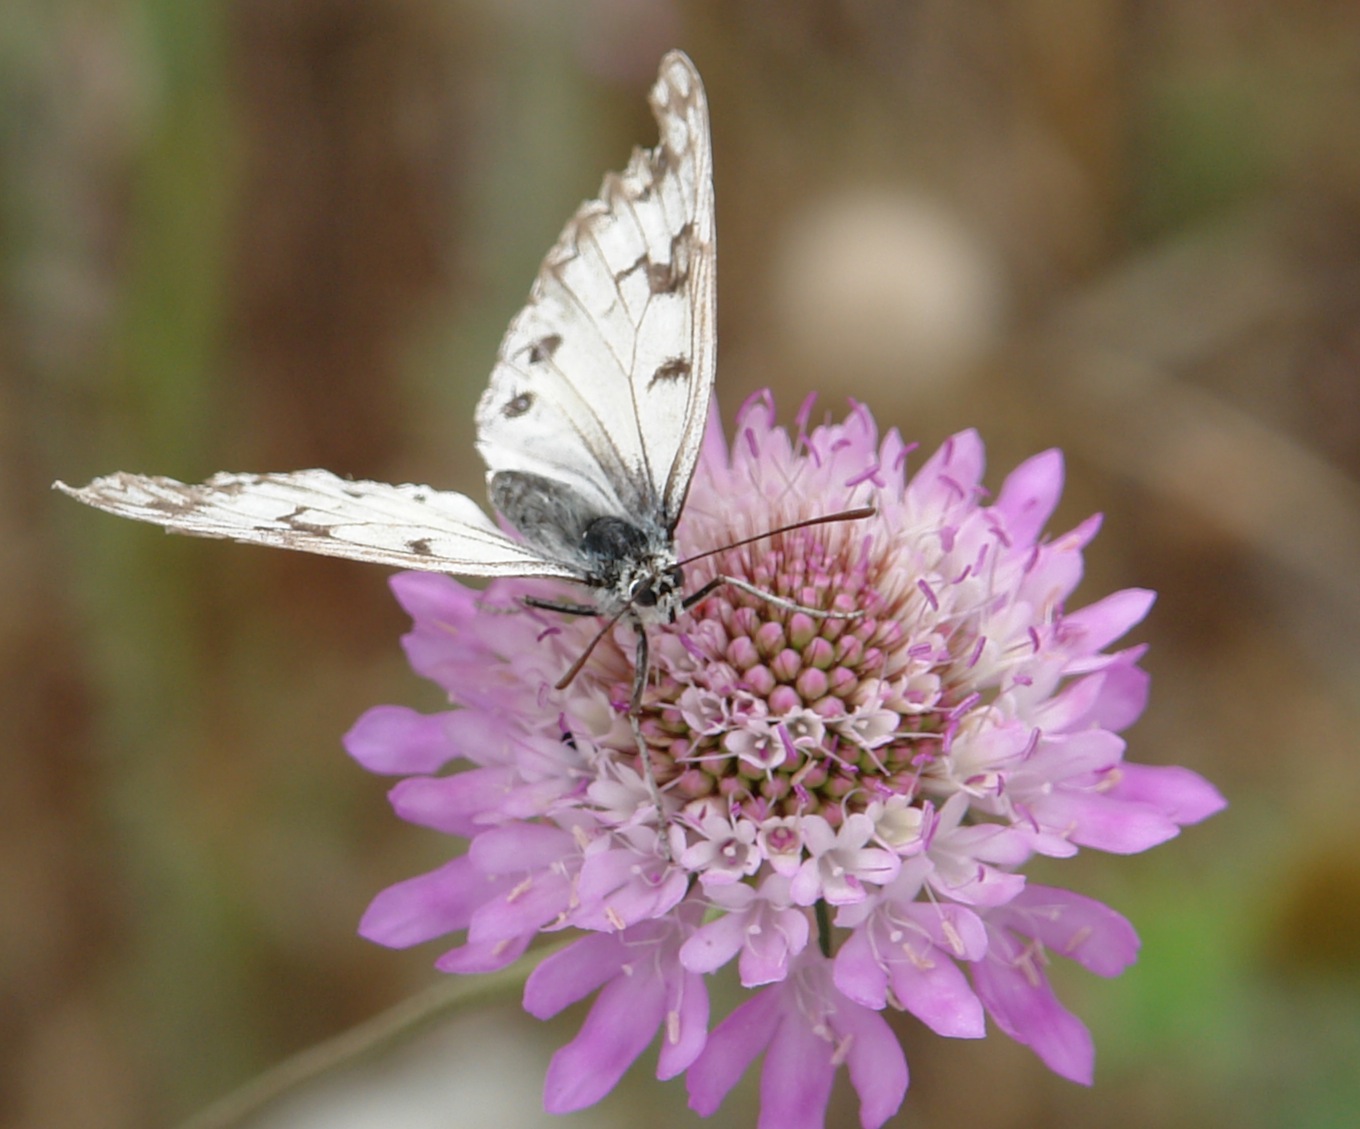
<point>866,787</point>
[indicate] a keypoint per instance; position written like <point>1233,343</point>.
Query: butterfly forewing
<point>602,382</point>
<point>318,512</point>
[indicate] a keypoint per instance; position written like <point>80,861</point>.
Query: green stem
<point>823,928</point>
<point>370,1038</point>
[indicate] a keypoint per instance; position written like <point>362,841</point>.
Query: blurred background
<point>274,234</point>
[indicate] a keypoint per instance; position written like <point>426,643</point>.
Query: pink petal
<point>715,943</point>
<point>686,1029</point>
<point>488,956</point>
<point>1068,756</point>
<point>619,888</point>
<point>1029,495</point>
<point>878,1068</point>
<point>1182,795</point>
<point>732,1046</point>
<point>1025,1008</point>
<point>396,740</point>
<point>713,452</point>
<point>766,958</point>
<point>795,1082</point>
<point>756,411</point>
<point>1071,706</point>
<point>937,993</point>
<point>531,904</point>
<point>450,803</point>
<point>957,931</point>
<point>621,1023</point>
<point>521,848</point>
<point>1091,819</point>
<point>859,973</point>
<point>1123,694</point>
<point>572,973</point>
<point>948,478</point>
<point>1079,928</point>
<point>1112,698</point>
<point>427,906</point>
<point>892,457</point>
<point>481,736</point>
<point>1079,536</point>
<point>1097,625</point>
<point>432,597</point>
<point>924,978</point>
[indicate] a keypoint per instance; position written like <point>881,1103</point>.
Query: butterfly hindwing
<point>603,381</point>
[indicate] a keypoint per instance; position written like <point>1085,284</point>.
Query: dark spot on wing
<point>298,524</point>
<point>682,242</point>
<point>543,349</point>
<point>677,368</point>
<point>642,262</point>
<point>518,406</point>
<point>663,278</point>
<point>667,277</point>
<point>420,546</point>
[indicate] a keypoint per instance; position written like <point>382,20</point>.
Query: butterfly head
<point>657,592</point>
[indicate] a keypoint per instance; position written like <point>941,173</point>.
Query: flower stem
<point>443,1001</point>
<point>823,928</point>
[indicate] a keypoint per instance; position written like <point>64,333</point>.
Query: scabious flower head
<point>846,802</point>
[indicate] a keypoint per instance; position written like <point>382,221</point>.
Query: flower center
<point>772,711</point>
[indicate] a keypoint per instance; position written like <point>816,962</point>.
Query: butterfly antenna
<point>769,597</point>
<point>825,519</point>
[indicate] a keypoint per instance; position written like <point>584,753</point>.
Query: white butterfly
<point>590,428</point>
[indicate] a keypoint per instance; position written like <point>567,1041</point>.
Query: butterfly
<point>591,425</point>
<point>590,428</point>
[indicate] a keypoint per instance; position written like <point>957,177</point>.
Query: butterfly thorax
<point>629,561</point>
<point>633,567</point>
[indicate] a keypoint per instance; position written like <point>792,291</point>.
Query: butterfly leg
<point>641,668</point>
<point>769,597</point>
<point>559,606</point>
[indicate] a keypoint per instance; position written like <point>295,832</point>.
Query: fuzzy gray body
<point>628,562</point>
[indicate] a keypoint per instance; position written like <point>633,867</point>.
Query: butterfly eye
<point>647,591</point>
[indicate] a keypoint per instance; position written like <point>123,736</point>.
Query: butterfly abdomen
<point>548,514</point>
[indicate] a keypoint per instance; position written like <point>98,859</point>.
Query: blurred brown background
<point>271,234</point>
